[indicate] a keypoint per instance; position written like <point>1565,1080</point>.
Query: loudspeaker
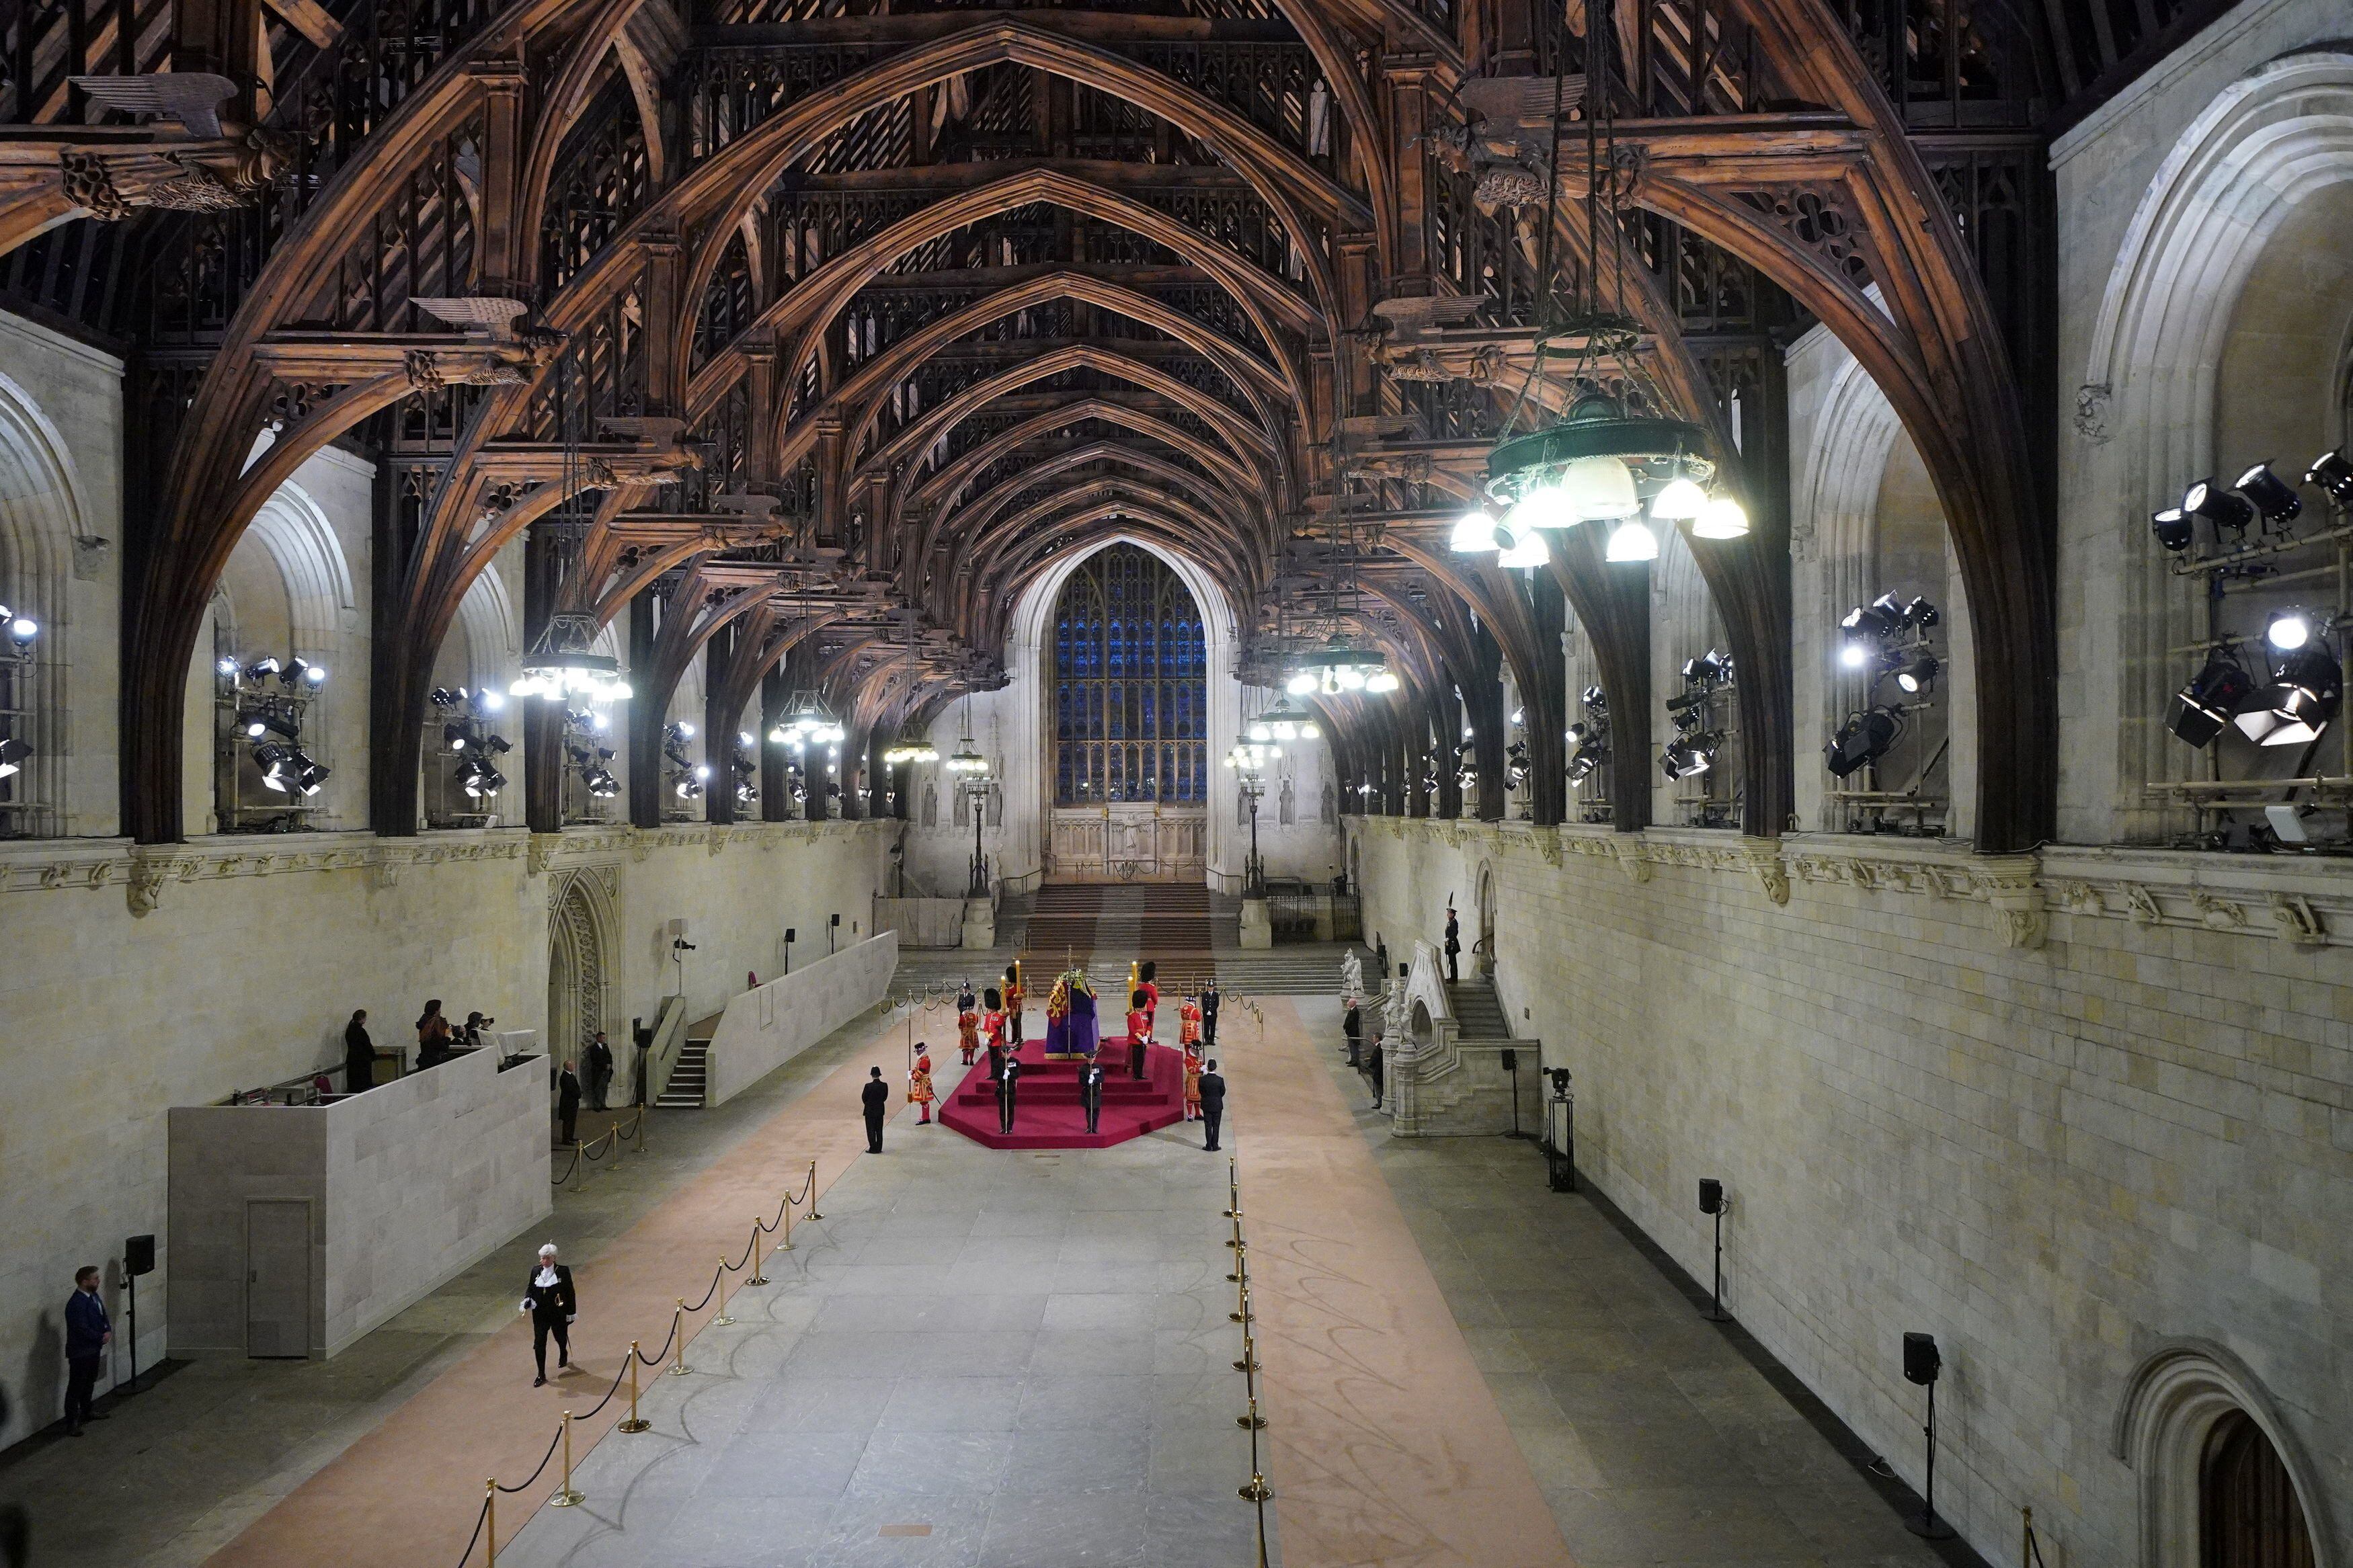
<point>791,936</point>
<point>1921,1362</point>
<point>1559,1079</point>
<point>1711,1194</point>
<point>138,1255</point>
<point>834,921</point>
<point>1511,1062</point>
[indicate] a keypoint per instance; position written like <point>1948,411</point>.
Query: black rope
<point>608,1393</point>
<point>481,1514</point>
<point>569,1169</point>
<point>552,1442</point>
<point>715,1276</point>
<point>656,1359</point>
<point>738,1267</point>
<point>781,1206</point>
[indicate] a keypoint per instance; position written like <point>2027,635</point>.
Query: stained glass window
<point>1131,692</point>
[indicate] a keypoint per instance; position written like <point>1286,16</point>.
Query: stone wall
<point>766,1027</point>
<point>409,1184</point>
<point>250,955</point>
<point>2059,1158</point>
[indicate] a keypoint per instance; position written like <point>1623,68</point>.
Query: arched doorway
<point>1484,950</point>
<point>1127,739</point>
<point>2248,1514</point>
<point>577,969</point>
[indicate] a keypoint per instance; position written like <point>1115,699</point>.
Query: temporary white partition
<point>769,1025</point>
<point>405,1185</point>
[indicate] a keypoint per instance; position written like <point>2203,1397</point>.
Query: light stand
<point>1512,1072</point>
<point>1922,1364</point>
<point>1560,1147</point>
<point>1712,1201</point>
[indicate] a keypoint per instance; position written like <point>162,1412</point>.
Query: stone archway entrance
<point>577,967</point>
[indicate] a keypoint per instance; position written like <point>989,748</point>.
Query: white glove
<point>528,1304</point>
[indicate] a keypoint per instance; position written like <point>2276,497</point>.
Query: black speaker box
<point>1711,1194</point>
<point>138,1255</point>
<point>1921,1362</point>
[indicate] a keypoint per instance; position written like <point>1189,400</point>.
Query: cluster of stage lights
<point>1886,639</point>
<point>2257,493</point>
<point>687,776</point>
<point>2305,688</point>
<point>745,766</point>
<point>14,751</point>
<point>1694,750</point>
<point>1588,739</point>
<point>285,767</point>
<point>583,748</point>
<point>465,735</point>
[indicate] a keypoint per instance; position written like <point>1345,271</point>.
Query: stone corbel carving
<point>2296,921</point>
<point>716,839</point>
<point>1548,844</point>
<point>2092,401</point>
<point>1764,858</point>
<point>2143,904</point>
<point>2220,914</point>
<point>642,845</point>
<point>150,870</point>
<point>2012,888</point>
<point>1630,858</point>
<point>539,851</point>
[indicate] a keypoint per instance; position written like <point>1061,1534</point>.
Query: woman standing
<point>432,1035</point>
<point>549,1302</point>
<point>359,1055</point>
<point>919,1084</point>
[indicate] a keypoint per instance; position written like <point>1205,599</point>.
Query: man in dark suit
<point>1091,1081</point>
<point>567,1102</point>
<point>1210,1017</point>
<point>1213,1104</point>
<point>549,1302</point>
<point>599,1057</point>
<point>875,1097</point>
<point>1005,1092</point>
<point>88,1334</point>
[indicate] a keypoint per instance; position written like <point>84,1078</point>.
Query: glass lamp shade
<point>1543,506</point>
<point>1599,487</point>
<point>1299,685</point>
<point>1681,501</point>
<point>1721,517</point>
<point>1633,540</point>
<point>1528,548</point>
<point>1381,682</point>
<point>1475,532</point>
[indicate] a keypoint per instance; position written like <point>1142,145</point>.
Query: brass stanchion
<point>787,1244</point>
<point>1258,1491</point>
<point>1241,1312</point>
<point>641,1129</point>
<point>1249,1362</point>
<point>813,1213</point>
<point>490,1520</point>
<point>635,1423</point>
<point>678,1336</point>
<point>579,1166</point>
<point>757,1277</point>
<point>723,1319</point>
<point>1242,1267</point>
<point>566,1495</point>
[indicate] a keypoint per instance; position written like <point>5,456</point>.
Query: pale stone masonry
<point>2062,1118</point>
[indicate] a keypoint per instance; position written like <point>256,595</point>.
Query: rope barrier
<point>674,1345</point>
<point>552,1442</point>
<point>1255,1491</point>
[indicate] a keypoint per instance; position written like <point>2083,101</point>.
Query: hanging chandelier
<point>1341,664</point>
<point>966,760</point>
<point>562,663</point>
<point>1252,756</point>
<point>1617,456</point>
<point>1283,721</point>
<point>915,749</point>
<point>808,722</point>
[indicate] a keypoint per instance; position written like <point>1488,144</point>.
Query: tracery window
<point>1130,695</point>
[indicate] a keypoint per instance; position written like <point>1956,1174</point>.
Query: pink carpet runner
<point>1048,1114</point>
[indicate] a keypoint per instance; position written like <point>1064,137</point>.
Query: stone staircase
<point>691,1078</point>
<point>1477,1011</point>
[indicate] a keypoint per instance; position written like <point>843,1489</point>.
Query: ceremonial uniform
<point>1193,1082</point>
<point>1016,993</point>
<point>919,1087</point>
<point>967,1033</point>
<point>1139,1034</point>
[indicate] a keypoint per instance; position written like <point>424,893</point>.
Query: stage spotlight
<point>14,753</point>
<point>1916,674</point>
<point>2301,698</point>
<point>310,675</point>
<point>1881,618</point>
<point>308,775</point>
<point>2174,528</point>
<point>2218,506</point>
<point>1920,616</point>
<point>1595,699</point>
<point>454,736</point>
<point>22,629</point>
<point>1689,756</point>
<point>489,700</point>
<point>1863,739</point>
<point>497,745</point>
<point>442,697</point>
<point>2289,630</point>
<point>262,668</point>
<point>2333,472</point>
<point>2274,497</point>
<point>2213,697</point>
<point>1709,668</point>
<point>225,666</point>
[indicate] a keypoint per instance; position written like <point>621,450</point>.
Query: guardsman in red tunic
<point>919,1084</point>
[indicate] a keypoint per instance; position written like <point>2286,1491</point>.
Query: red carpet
<point>1048,1115</point>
